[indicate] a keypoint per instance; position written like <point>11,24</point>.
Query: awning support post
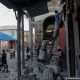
<point>23,60</point>
<point>31,37</point>
<point>19,43</point>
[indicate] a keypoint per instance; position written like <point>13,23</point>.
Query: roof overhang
<point>21,3</point>
<point>8,4</point>
<point>34,7</point>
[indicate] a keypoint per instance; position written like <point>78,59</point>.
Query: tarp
<point>6,37</point>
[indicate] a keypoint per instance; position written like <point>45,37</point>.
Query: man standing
<point>0,61</point>
<point>28,52</point>
<point>4,60</point>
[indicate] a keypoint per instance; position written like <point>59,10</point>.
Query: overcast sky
<point>7,17</point>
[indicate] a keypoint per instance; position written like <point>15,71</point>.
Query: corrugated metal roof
<point>37,9</point>
<point>20,3</point>
<point>34,7</point>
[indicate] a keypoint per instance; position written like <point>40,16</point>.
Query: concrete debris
<point>55,68</point>
<point>40,71</point>
<point>34,70</point>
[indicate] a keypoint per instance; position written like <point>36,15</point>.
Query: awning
<point>37,9</point>
<point>20,3</point>
<point>6,37</point>
<point>34,7</point>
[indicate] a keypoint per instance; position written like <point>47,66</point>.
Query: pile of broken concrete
<point>39,71</point>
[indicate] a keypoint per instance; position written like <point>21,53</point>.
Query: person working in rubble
<point>4,61</point>
<point>28,53</point>
<point>60,58</point>
<point>0,61</point>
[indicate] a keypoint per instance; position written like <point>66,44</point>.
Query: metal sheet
<point>37,9</point>
<point>34,7</point>
<point>7,4</point>
<point>20,3</point>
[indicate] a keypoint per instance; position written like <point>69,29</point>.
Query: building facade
<point>72,30</point>
<point>12,31</point>
<point>41,22</point>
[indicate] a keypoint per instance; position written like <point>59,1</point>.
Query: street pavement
<point>34,70</point>
<point>12,66</point>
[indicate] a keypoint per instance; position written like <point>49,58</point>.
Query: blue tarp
<point>6,37</point>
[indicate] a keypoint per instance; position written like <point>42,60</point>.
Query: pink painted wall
<point>62,39</point>
<point>62,44</point>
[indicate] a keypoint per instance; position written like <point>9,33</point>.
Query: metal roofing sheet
<point>20,3</point>
<point>37,9</point>
<point>34,7</point>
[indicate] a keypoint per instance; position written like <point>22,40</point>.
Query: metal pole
<point>67,47</point>
<point>31,37</point>
<point>23,61</point>
<point>18,44</point>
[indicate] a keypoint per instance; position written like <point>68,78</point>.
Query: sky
<point>7,17</point>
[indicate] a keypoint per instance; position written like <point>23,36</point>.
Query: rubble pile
<point>39,71</point>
